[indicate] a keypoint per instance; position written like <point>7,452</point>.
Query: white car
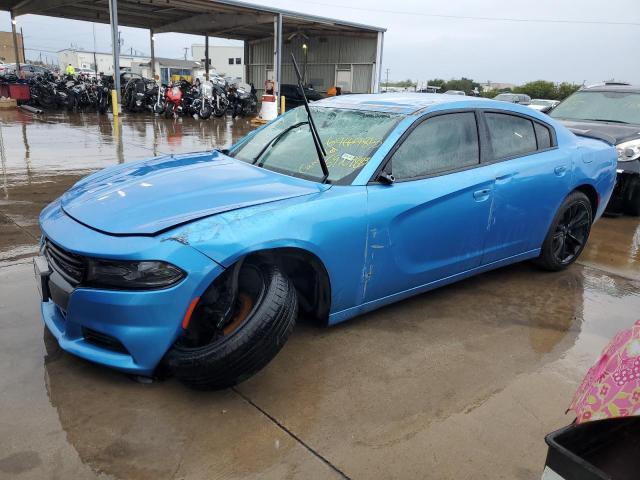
<point>87,72</point>
<point>543,105</point>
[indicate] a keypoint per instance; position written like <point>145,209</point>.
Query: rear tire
<point>632,197</point>
<point>255,336</point>
<point>568,233</point>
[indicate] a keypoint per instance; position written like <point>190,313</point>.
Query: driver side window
<point>439,144</point>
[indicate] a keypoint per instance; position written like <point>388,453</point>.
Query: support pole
<point>24,54</point>
<point>277,55</point>
<point>15,43</point>
<point>152,39</point>
<point>378,73</point>
<point>206,57</point>
<point>115,49</point>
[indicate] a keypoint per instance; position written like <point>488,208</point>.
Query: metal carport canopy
<point>224,18</point>
<point>220,18</point>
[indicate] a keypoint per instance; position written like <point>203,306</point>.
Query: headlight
<point>628,151</point>
<point>143,275</point>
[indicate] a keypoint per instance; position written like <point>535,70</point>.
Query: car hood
<point>145,198</point>
<point>615,131</point>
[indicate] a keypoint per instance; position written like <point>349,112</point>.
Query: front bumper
<point>139,326</point>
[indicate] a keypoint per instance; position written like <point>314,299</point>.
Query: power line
<point>489,19</point>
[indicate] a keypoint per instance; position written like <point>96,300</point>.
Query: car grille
<point>69,265</point>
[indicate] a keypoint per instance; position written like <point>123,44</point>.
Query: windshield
<point>544,103</point>
<point>350,138</point>
<point>604,106</point>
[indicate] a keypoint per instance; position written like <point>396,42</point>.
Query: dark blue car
<point>199,264</point>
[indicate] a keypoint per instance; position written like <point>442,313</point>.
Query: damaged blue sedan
<point>200,264</point>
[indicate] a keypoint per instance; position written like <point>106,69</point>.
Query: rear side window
<point>510,135</point>
<point>442,143</point>
<point>543,136</point>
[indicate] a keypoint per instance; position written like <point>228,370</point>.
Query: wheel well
<point>309,276</point>
<point>591,194</point>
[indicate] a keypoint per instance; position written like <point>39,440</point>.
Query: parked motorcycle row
<point>182,98</point>
<point>71,93</point>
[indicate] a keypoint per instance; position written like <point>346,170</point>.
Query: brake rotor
<point>245,305</point>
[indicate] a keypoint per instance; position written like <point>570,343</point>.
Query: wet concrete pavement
<point>462,382</point>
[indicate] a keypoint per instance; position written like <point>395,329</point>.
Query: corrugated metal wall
<point>324,54</point>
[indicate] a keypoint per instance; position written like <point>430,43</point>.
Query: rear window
<point>543,136</point>
<point>510,135</point>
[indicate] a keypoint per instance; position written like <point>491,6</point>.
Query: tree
<point>467,85</point>
<point>436,82</point>
<point>565,89</point>
<point>538,89</point>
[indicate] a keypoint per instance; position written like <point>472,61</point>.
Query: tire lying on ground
<point>568,233</point>
<point>210,355</point>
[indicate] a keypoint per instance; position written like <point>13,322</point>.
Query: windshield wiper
<point>322,153</point>
<point>274,141</point>
<point>604,120</point>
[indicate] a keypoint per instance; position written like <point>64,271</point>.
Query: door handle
<point>481,195</point>
<point>560,170</point>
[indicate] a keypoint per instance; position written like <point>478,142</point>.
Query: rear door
<point>532,177</point>
<point>430,223</point>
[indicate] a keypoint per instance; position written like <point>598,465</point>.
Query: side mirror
<point>386,178</point>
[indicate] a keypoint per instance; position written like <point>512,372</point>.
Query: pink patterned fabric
<point>611,388</point>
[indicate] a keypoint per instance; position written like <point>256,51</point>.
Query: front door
<point>430,223</point>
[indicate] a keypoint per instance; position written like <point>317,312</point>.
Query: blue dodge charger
<point>198,265</point>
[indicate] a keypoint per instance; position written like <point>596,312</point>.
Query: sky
<point>511,41</point>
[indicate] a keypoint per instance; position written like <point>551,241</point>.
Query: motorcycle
<point>139,95</point>
<point>196,102</point>
<point>243,102</point>
<point>173,101</point>
<point>104,88</point>
<point>43,91</point>
<point>159,104</point>
<point>220,101</point>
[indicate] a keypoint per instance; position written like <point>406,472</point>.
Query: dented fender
<point>338,240</point>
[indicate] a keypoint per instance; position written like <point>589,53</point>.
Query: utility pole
<point>386,87</point>
<point>185,52</point>
<point>95,60</point>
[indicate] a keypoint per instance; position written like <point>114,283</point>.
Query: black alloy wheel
<point>568,233</point>
<point>571,233</point>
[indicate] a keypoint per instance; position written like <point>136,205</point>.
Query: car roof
<point>612,88</point>
<point>404,102</point>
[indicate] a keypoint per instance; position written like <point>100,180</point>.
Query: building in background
<point>348,62</point>
<point>104,61</point>
<point>168,69</point>
<point>7,52</point>
<point>487,87</point>
<point>226,61</point>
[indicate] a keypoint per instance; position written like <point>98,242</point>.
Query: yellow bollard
<point>282,102</point>
<point>114,102</point>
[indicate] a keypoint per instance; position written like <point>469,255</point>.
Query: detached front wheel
<point>231,337</point>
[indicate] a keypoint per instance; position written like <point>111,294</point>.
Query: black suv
<point>610,112</point>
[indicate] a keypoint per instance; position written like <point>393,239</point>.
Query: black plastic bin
<point>603,449</point>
